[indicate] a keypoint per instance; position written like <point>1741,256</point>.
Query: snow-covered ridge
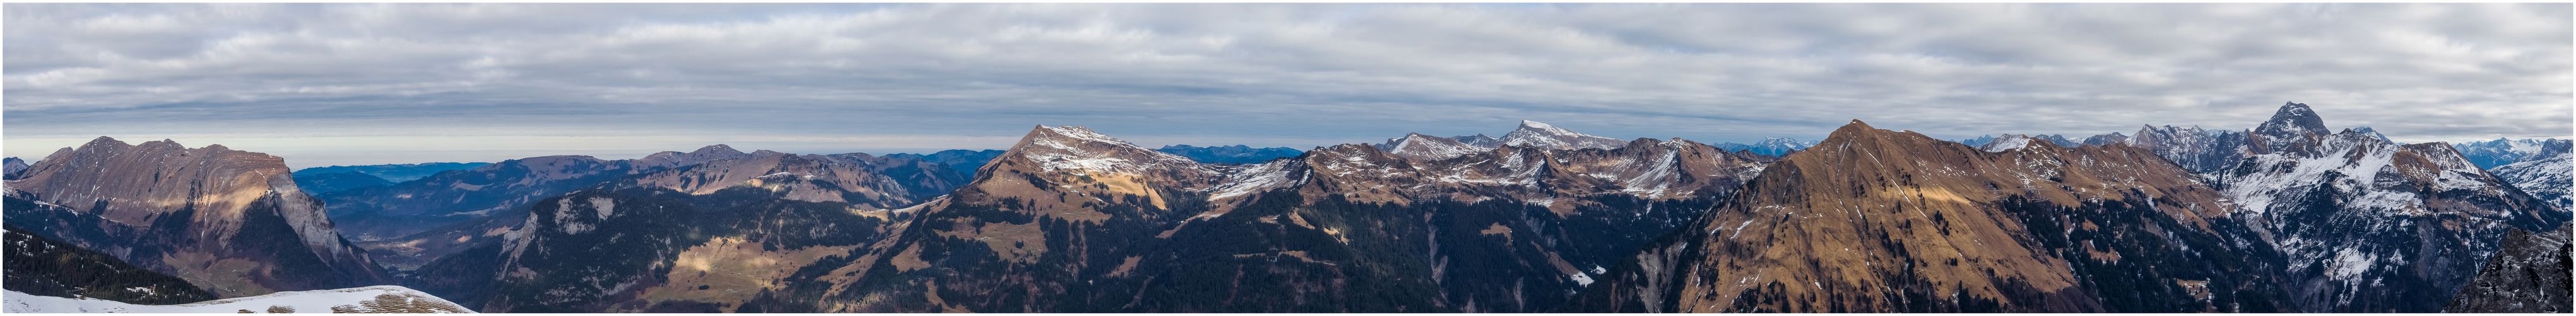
<point>372,299</point>
<point>1419,146</point>
<point>2008,142</point>
<point>2548,179</point>
<point>1540,135</point>
<point>1076,148</point>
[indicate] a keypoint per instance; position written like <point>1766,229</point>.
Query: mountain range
<point>2288,216</point>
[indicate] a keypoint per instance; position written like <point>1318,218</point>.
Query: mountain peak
<point>1076,147</point>
<point>1419,146</point>
<point>1540,135</point>
<point>716,149</point>
<point>2293,118</point>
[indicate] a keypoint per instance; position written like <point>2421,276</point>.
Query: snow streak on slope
<point>372,299</point>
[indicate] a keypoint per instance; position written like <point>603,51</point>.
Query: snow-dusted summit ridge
<point>1427,147</point>
<point>1540,135</point>
<point>1075,148</point>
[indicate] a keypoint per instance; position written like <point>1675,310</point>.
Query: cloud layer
<point>1270,75</point>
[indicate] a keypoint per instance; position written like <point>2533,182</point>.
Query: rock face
<point>2198,150</point>
<point>336,182</point>
<point>394,172</point>
<point>2357,215</point>
<point>2367,225</point>
<point>1236,154</point>
<point>1074,221</point>
<point>40,266</point>
<point>1873,220</point>
<point>232,222</point>
<point>2529,275</point>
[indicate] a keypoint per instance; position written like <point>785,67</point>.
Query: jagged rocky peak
<point>2292,119</point>
<point>1427,147</point>
<point>1540,135</point>
<point>2294,128</point>
<point>2200,150</point>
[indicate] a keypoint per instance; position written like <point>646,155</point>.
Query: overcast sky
<point>341,84</point>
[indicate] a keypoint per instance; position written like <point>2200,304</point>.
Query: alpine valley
<point>2287,216</point>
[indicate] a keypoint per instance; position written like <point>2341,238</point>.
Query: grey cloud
<point>1277,72</point>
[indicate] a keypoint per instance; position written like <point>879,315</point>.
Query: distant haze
<point>350,84</point>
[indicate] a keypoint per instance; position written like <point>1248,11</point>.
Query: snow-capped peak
<point>1419,146</point>
<point>1075,147</point>
<point>2293,118</point>
<point>1540,135</point>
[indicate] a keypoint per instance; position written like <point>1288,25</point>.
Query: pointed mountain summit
<point>1540,135</point>
<point>232,222</point>
<point>2293,128</point>
<point>2293,119</point>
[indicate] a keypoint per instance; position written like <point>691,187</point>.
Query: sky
<point>353,84</point>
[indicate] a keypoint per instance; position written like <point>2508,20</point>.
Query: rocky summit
<point>231,222</point>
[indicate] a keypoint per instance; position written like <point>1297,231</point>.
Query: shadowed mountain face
<point>41,266</point>
<point>9,167</point>
<point>1074,221</point>
<point>232,222</point>
<point>1873,220</point>
<point>2529,275</point>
